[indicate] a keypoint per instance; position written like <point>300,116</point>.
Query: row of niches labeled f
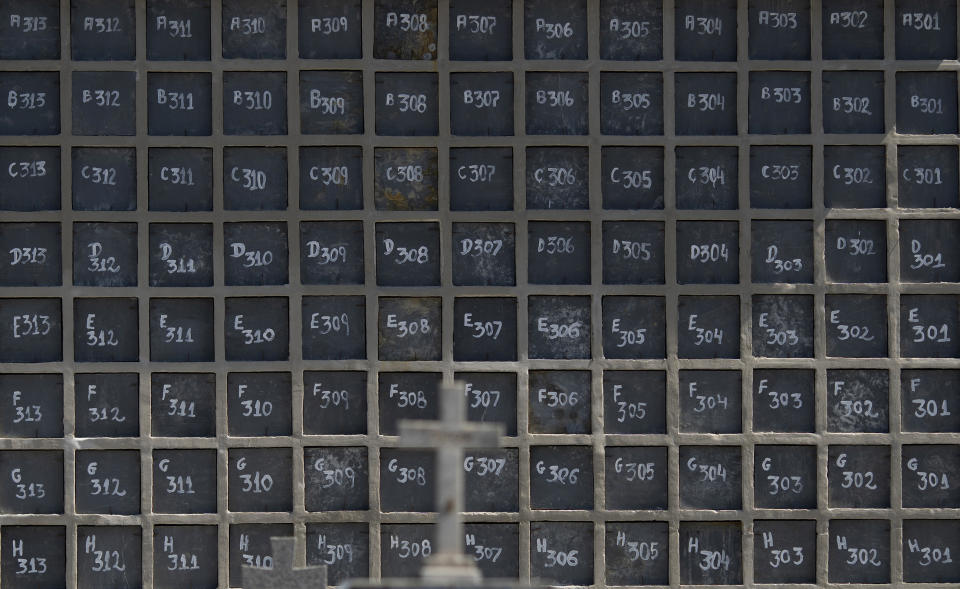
<point>480,103</point>
<point>331,178</point>
<point>485,329</point>
<point>261,479</point>
<point>482,254</point>
<point>559,402</point>
<point>561,553</point>
<point>478,29</point>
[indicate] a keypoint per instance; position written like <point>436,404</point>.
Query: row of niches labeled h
<point>480,103</point>
<point>485,329</point>
<point>481,254</point>
<point>562,553</point>
<point>479,30</point>
<point>557,402</point>
<point>331,178</point>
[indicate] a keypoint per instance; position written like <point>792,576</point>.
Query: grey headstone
<point>254,103</point>
<point>183,405</point>
<point>259,404</point>
<point>779,103</point>
<point>334,403</point>
<point>710,401</point>
<point>556,103</point>
<point>485,329</point>
<point>558,252</point>
<point>407,102</point>
<point>122,545</point>
<point>107,405</point>
<point>181,330</point>
<point>256,328</point>
<point>633,252</point>
<point>334,327</point>
<point>250,469</point>
<point>108,481</point>
<point>710,477</point>
<point>481,103</point>
<point>632,177</point>
<point>405,30</point>
<point>481,30</point>
<point>254,29</point>
<point>871,539</point>
<point>330,30</point>
<point>185,481</point>
<point>859,476</point>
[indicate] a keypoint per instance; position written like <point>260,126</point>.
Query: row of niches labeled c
<point>478,29</point>
<point>562,553</point>
<point>482,254</point>
<point>182,179</point>
<point>559,402</point>
<point>486,329</point>
<point>480,103</point>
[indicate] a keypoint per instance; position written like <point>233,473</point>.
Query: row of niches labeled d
<point>481,254</point>
<point>478,29</point>
<point>480,103</point>
<point>558,402</point>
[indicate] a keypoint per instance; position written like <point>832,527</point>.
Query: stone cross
<point>449,437</point>
<point>283,575</point>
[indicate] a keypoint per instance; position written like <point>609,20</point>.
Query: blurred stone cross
<point>282,575</point>
<point>449,437</point>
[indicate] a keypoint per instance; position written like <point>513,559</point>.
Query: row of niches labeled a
<point>485,329</point>
<point>478,29</point>
<point>560,552</point>
<point>561,478</point>
<point>559,402</point>
<point>480,103</point>
<point>331,178</point>
<point>482,254</point>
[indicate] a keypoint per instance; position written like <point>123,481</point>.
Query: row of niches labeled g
<point>562,553</point>
<point>331,177</point>
<point>478,29</point>
<point>561,478</point>
<point>408,254</point>
<point>339,403</point>
<point>486,329</point>
<point>480,104</point>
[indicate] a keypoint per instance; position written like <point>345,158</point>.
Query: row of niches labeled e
<point>335,403</point>
<point>181,179</point>
<point>561,553</point>
<point>480,103</point>
<point>561,478</point>
<point>408,254</point>
<point>485,329</point>
<point>478,29</point>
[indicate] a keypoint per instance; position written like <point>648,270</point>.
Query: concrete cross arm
<point>283,575</point>
<point>437,434</point>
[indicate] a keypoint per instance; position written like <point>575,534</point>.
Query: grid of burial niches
<point>697,179</point>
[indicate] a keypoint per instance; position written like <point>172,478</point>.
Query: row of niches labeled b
<point>480,103</point>
<point>409,254</point>
<point>182,179</point>
<point>558,402</point>
<point>478,29</point>
<point>486,329</point>
<point>560,552</point>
